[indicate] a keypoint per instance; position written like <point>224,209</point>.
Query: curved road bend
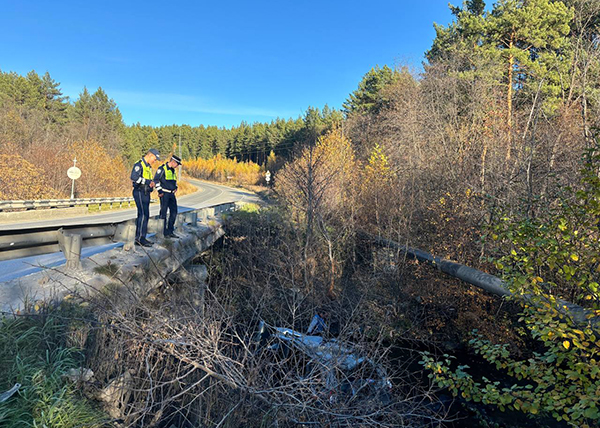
<point>208,194</point>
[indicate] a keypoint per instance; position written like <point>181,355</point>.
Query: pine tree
<point>524,45</point>
<point>369,97</point>
<point>151,142</point>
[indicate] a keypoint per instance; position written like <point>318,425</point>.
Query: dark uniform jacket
<point>138,179</point>
<point>166,179</point>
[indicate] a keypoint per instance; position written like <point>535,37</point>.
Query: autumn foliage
<point>318,187</point>
<point>22,180</point>
<point>223,170</point>
<point>102,174</point>
<point>319,180</point>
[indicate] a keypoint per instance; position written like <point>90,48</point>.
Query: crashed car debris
<point>341,371</point>
<point>7,394</point>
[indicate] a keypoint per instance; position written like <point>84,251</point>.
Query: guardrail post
<point>160,228</point>
<point>70,245</point>
<point>121,231</point>
<point>130,237</point>
<point>125,233</point>
<point>74,252</point>
<point>157,226</point>
<point>192,218</point>
<point>64,241</point>
<point>179,221</point>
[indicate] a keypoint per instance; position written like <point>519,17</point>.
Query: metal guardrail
<point>35,242</point>
<point>62,203</point>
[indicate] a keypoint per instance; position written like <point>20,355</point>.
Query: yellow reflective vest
<point>146,171</point>
<point>170,174</point>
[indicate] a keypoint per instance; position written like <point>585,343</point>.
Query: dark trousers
<point>142,202</point>
<point>168,202</point>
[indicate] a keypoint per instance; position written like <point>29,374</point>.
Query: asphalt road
<point>209,194</point>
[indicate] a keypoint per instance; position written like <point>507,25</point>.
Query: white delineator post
<point>73,173</point>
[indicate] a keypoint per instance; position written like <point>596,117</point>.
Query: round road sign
<point>73,173</point>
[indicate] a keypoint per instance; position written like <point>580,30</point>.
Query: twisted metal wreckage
<point>342,370</point>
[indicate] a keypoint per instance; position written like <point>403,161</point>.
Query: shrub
<point>547,259</point>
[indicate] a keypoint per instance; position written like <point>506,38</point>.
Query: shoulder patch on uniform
<point>137,167</point>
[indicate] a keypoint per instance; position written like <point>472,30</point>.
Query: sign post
<point>73,173</point>
<point>268,177</point>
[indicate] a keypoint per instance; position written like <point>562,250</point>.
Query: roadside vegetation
<point>38,352</point>
<point>225,170</point>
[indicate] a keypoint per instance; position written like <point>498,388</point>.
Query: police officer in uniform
<point>166,185</point>
<point>141,178</point>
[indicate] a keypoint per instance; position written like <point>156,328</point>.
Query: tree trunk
<point>309,214</point>
<point>509,95</point>
<point>483,160</point>
<point>331,290</point>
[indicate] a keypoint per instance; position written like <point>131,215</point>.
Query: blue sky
<point>215,63</point>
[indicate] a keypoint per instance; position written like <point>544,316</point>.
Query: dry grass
<point>185,188</point>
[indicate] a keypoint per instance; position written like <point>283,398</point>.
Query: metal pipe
<point>490,283</point>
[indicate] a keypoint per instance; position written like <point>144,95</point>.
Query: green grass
<point>33,353</point>
<point>250,208</point>
<point>94,208</point>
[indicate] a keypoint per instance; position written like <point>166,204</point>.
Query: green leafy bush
<point>546,260</point>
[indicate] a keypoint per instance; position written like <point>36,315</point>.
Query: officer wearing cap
<point>141,178</point>
<point>166,185</point>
